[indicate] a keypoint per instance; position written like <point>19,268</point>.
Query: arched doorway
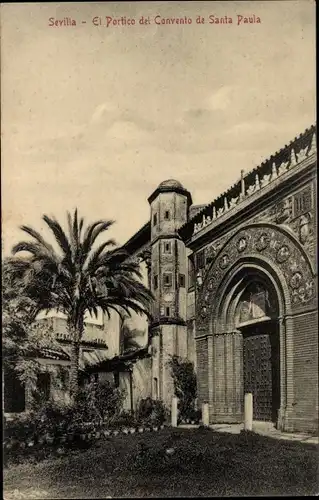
<point>253,310</point>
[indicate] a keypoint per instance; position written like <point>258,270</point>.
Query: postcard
<point>159,248</point>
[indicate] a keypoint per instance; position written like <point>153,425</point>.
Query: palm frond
<point>93,260</point>
<point>92,232</point>
<point>60,236</point>
<point>37,236</point>
<point>27,246</point>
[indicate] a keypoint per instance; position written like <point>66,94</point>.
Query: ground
<point>172,462</point>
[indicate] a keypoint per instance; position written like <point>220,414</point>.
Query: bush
<point>125,420</point>
<point>191,415</point>
<point>151,412</point>
<point>96,405</point>
<point>109,401</point>
<point>21,428</point>
<point>185,386</point>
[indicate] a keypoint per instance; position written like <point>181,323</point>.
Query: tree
<point>23,340</point>
<point>79,276</point>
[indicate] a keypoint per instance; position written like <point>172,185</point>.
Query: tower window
<point>167,279</point>
<point>182,280</point>
<point>167,215</point>
<point>155,388</point>
<point>155,219</point>
<point>155,282</point>
<point>167,311</point>
<point>167,247</point>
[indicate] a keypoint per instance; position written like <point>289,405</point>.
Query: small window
<point>167,279</point>
<point>155,388</point>
<point>154,219</point>
<point>155,282</point>
<point>182,280</point>
<point>167,247</point>
<point>167,215</point>
<point>167,311</point>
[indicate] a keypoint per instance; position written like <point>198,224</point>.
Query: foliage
<point>78,276</point>
<point>185,386</point>
<point>125,420</point>
<point>22,427</point>
<point>22,339</point>
<point>99,403</point>
<point>95,406</point>
<point>151,412</point>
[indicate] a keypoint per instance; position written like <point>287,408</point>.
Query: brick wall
<point>202,369</point>
<point>305,363</point>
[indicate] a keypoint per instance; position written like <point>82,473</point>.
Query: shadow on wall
<point>141,383</point>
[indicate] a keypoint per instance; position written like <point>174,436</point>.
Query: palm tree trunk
<point>74,372</point>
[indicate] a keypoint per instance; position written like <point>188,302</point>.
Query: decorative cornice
<point>251,205</point>
<point>166,236</point>
<point>275,168</point>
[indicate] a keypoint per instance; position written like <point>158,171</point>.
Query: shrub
<point>21,428</point>
<point>151,412</point>
<point>125,420</point>
<point>109,401</point>
<point>192,415</point>
<point>94,405</point>
<point>185,385</point>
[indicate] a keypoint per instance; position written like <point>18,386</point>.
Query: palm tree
<point>80,277</point>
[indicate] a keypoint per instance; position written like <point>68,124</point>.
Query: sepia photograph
<point>159,249</point>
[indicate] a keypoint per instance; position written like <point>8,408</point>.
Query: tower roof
<point>170,186</point>
<point>170,183</point>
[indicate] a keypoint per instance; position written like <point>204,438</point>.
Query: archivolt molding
<point>272,246</point>
<point>235,283</point>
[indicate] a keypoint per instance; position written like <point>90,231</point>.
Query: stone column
<point>174,412</point>
<point>205,414</point>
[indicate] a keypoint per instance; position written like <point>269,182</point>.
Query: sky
<point>96,117</point>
